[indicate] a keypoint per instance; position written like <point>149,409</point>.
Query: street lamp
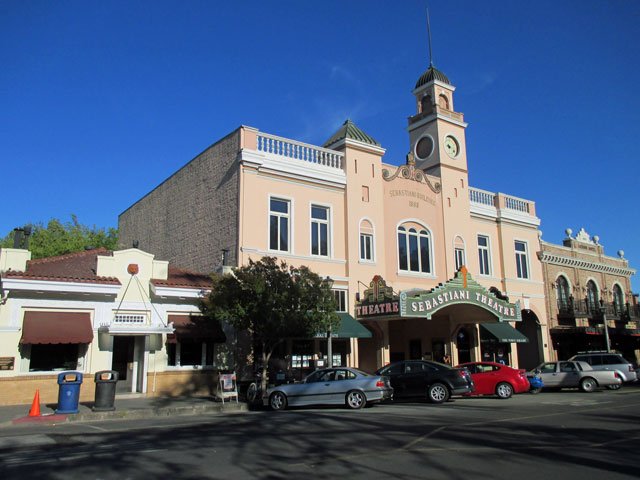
<point>329,283</point>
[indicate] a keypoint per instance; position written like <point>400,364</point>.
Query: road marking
<point>412,444</point>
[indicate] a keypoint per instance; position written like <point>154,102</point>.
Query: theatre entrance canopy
<point>463,298</point>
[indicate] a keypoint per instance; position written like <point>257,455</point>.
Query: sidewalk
<point>128,406</point>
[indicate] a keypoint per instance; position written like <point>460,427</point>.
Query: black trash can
<point>105,390</point>
<point>69,392</point>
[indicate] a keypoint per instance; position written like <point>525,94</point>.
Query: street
<point>566,434</point>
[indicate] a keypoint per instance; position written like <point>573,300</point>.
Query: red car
<point>496,379</point>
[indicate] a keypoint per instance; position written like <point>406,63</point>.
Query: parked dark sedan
<point>419,378</point>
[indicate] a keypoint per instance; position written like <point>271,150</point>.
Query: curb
<point>132,414</point>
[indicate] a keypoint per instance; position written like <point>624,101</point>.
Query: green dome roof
<point>432,74</point>
<point>349,130</point>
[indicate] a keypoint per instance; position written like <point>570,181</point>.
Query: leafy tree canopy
<point>273,301</point>
<point>57,238</point>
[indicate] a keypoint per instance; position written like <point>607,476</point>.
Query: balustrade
<point>303,152</point>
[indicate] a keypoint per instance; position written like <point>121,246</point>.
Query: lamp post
<point>606,328</point>
<point>329,283</point>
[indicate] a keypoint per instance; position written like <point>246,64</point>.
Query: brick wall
<point>191,216</point>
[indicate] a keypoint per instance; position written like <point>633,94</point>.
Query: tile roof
<point>81,267</point>
<point>350,130</point>
<point>71,267</point>
<point>182,278</point>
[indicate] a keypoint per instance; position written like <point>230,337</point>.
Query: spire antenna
<point>429,34</point>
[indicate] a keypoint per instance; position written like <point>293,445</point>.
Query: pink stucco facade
<point>362,202</point>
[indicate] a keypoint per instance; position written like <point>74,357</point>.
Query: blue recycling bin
<point>69,392</point>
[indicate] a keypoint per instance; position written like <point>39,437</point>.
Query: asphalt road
<point>558,435</point>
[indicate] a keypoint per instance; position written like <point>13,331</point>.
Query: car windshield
<point>361,372</point>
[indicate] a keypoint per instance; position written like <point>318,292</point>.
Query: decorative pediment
<point>410,172</point>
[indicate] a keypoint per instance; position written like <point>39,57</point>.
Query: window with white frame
<point>522,261</point>
<point>341,300</point>
<point>414,250</point>
<point>279,228</point>
<point>484,255</point>
<point>459,253</point>
<point>366,241</point>
<point>319,230</point>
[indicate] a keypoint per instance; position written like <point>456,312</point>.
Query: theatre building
<point>99,310</point>
<point>430,265</point>
<point>585,290</point>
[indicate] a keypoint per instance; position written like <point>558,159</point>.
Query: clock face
<point>451,146</point>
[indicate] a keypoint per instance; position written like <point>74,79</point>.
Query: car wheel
<point>438,393</point>
<point>356,399</point>
<point>535,390</point>
<point>588,384</point>
<point>278,401</point>
<point>614,387</point>
<point>504,390</point>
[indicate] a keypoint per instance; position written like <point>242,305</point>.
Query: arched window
<point>414,250</point>
<point>592,296</point>
<point>562,288</point>
<point>618,299</point>
<point>367,249</point>
<point>443,102</point>
<point>425,104</point>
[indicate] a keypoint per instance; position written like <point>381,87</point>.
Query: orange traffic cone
<point>35,407</point>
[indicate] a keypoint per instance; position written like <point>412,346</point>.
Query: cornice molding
<point>572,262</point>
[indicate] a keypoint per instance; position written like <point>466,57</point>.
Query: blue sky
<point>101,101</point>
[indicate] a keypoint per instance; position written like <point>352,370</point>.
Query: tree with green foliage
<point>272,301</point>
<point>57,238</point>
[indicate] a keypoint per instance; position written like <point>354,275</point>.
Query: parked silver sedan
<point>331,386</point>
<point>572,374</point>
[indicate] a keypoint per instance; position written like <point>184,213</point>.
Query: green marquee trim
<point>461,289</point>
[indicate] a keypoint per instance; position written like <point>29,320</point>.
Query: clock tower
<point>436,131</point>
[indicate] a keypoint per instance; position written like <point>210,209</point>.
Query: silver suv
<point>609,361</point>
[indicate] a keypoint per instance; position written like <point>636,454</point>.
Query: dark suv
<point>419,378</point>
<point>609,361</point>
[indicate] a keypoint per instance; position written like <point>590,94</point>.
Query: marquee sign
<point>460,290</point>
<point>378,301</point>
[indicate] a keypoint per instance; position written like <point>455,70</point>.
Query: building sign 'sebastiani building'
<point>428,264</point>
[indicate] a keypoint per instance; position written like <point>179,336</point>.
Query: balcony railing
<point>500,200</point>
<point>437,109</point>
<point>302,152</point>
<point>585,308</point>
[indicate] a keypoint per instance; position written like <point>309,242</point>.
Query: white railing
<point>513,203</point>
<point>482,197</point>
<point>303,152</point>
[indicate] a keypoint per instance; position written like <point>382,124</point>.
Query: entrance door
<point>122,361</point>
<point>463,342</point>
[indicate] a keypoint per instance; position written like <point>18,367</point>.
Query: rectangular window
<point>341,300</point>
<point>366,247</point>
<point>57,356</point>
<point>521,259</point>
<point>459,252</point>
<point>365,193</point>
<point>190,354</point>
<point>279,225</point>
<point>483,254</point>
<point>319,231</point>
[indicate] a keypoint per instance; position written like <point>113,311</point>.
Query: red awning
<point>195,327</point>
<point>56,327</point>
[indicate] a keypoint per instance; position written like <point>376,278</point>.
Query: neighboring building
<point>101,310</point>
<point>583,287</point>
<point>344,213</point>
